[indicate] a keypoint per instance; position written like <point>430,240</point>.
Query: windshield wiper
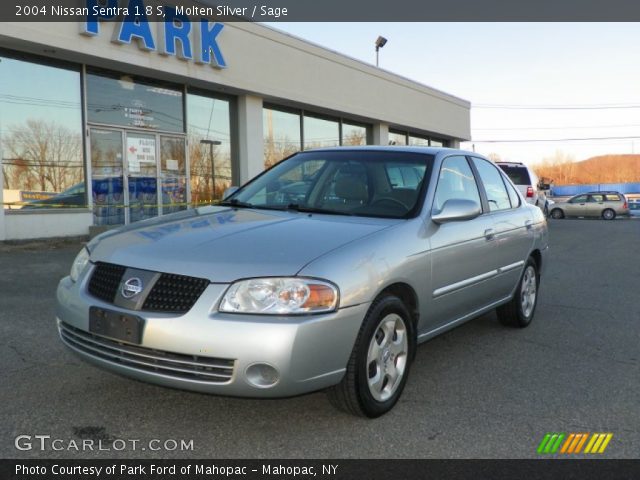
<point>304,209</point>
<point>236,203</point>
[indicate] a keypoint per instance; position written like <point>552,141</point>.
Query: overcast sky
<point>514,64</point>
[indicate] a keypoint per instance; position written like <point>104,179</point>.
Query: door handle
<point>489,234</point>
<point>528,224</point>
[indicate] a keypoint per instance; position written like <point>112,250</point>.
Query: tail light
<point>529,192</point>
<point>625,205</point>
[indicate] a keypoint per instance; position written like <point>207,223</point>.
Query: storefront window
<point>354,134</point>
<point>281,132</point>
<point>115,99</point>
<point>41,136</point>
<point>418,141</point>
<point>437,143</point>
<point>396,138</point>
<point>210,163</point>
<point>320,132</point>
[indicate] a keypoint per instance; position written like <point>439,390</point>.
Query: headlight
<point>280,296</point>
<point>79,263</point>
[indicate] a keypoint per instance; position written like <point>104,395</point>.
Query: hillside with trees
<point>601,169</point>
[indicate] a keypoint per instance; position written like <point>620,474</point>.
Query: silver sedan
<point>324,272</point>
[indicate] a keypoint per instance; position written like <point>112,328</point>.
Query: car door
<point>594,205</point>
<point>512,225</point>
<point>460,250</point>
<point>576,206</point>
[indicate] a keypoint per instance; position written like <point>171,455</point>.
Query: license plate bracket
<point>116,325</point>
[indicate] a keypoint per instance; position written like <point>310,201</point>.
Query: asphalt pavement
<point>479,391</point>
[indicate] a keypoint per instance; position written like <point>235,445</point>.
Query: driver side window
<point>456,180</point>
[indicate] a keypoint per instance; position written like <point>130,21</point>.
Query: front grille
<point>175,365</point>
<point>170,294</point>
<point>105,281</point>
<point>174,293</point>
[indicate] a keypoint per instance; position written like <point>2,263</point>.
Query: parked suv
<point>592,204</point>
<point>527,183</point>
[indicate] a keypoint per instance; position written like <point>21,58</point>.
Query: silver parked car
<point>324,272</point>
<point>606,205</point>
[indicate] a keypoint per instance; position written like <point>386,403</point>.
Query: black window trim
<point>479,180</point>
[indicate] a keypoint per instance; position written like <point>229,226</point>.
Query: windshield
<point>364,183</point>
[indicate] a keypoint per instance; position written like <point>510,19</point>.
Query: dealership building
<point>106,122</point>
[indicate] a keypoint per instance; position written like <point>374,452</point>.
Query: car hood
<point>224,244</point>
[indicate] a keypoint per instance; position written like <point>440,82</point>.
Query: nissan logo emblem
<point>131,287</point>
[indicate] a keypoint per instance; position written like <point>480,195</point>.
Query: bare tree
<point>494,157</point>
<point>42,155</point>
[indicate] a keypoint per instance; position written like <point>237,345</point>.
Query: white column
<point>380,134</point>
<point>455,143</point>
<point>250,141</point>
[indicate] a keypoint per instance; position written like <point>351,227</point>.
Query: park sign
<point>176,34</point>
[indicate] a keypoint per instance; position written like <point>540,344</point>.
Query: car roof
<point>394,148</point>
<point>601,191</point>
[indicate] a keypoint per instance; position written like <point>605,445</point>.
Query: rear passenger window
<point>455,181</point>
<point>513,196</point>
<point>596,198</point>
<point>497,195</point>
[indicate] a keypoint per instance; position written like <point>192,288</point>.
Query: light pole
<point>380,42</point>
<point>211,143</point>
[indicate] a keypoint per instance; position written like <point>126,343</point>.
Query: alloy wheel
<point>387,357</point>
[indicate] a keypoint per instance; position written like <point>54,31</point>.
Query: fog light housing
<point>262,375</point>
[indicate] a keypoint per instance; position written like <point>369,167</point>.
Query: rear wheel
<point>608,214</point>
<point>379,364</point>
<point>520,310</point>
<point>557,213</point>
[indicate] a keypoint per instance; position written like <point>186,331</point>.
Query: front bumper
<point>309,352</point>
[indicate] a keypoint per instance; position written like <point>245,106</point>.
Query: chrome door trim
<point>464,283</point>
<point>510,267</point>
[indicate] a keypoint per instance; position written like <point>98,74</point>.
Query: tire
<point>522,307</point>
<point>608,214</point>
<point>557,213</point>
<point>387,322</point>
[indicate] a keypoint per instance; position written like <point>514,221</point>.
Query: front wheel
<point>519,311</point>
<point>608,214</point>
<point>379,364</point>
<point>557,214</point>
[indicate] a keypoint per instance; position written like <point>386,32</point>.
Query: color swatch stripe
<point>584,439</point>
<point>605,443</point>
<point>572,443</point>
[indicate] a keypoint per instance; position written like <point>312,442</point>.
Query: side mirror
<point>457,209</point>
<point>228,192</point>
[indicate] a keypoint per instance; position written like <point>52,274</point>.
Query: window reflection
<point>281,132</point>
<point>40,136</point>
<point>115,99</point>
<point>208,119</point>
<point>397,138</point>
<point>354,134</point>
<point>320,132</point>
<point>418,141</point>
